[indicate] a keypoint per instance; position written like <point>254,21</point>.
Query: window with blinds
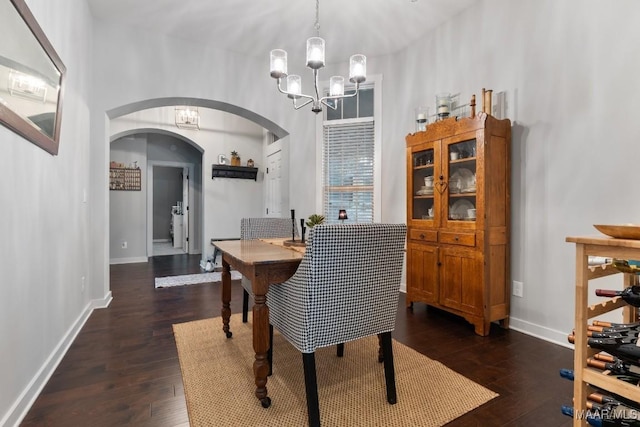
<point>348,168</point>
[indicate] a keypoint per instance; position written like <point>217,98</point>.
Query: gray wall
<point>127,209</point>
<point>167,191</point>
<point>570,94</point>
<point>47,248</point>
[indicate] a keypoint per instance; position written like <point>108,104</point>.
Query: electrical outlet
<point>82,284</point>
<point>124,245</point>
<point>518,289</point>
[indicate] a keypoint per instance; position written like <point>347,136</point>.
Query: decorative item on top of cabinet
<point>458,199</point>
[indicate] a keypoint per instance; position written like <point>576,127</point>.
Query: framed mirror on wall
<point>31,78</point>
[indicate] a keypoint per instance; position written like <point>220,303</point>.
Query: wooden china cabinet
<point>458,227</point>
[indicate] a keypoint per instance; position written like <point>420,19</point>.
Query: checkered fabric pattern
<point>345,288</point>
<point>265,228</point>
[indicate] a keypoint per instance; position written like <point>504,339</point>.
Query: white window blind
<point>347,169</point>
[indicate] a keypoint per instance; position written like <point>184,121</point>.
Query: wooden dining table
<point>264,263</point>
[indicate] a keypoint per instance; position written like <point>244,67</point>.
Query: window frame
<point>374,81</point>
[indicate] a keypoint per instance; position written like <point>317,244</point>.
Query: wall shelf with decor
<point>240,172</point>
<point>125,179</point>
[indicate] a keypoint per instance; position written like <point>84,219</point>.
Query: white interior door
<point>274,184</point>
<point>185,209</point>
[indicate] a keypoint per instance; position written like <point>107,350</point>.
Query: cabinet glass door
<point>461,173</point>
<point>423,184</point>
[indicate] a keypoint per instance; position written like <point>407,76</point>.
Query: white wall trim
<point>23,403</point>
<point>131,260</point>
<point>541,332</point>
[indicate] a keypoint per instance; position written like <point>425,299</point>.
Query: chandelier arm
<point>324,102</point>
<point>351,95</point>
<point>309,101</point>
<point>293,94</point>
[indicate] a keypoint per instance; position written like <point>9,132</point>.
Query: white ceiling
<point>254,27</point>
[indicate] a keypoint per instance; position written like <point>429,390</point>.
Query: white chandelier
<point>315,61</point>
<point>187,118</point>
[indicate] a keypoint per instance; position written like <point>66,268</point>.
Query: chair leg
<point>340,349</point>
<point>245,306</point>
<point>311,387</point>
<point>270,351</point>
<point>389,370</point>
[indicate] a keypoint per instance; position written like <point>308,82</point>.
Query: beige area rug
<point>219,385</point>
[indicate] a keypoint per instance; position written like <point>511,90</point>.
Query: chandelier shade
<point>315,53</point>
<point>336,86</point>
<point>315,61</point>
<point>294,86</point>
<point>278,63</point>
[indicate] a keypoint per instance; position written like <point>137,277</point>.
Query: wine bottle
<point>635,325</point>
<point>630,295</point>
<point>605,408</point>
<point>611,337</point>
<point>613,415</point>
<point>619,333</point>
<point>600,395</point>
<point>595,328</point>
<point>568,374</point>
<point>624,348</point>
<point>617,367</point>
<point>630,369</point>
<point>593,418</point>
<point>606,399</point>
<point>614,334</point>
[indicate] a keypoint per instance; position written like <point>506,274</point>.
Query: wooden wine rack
<point>584,376</point>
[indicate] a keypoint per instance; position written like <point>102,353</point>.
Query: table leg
<point>226,297</point>
<point>261,342</point>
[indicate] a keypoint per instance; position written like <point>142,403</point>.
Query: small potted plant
<point>235,158</point>
<point>315,219</point>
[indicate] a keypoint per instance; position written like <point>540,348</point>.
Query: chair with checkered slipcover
<point>262,228</point>
<point>345,288</point>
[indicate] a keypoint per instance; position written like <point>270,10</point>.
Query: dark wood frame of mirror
<point>16,122</point>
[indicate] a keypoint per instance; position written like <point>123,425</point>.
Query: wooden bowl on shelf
<point>620,231</point>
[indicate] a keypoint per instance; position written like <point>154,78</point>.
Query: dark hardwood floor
<point>123,367</point>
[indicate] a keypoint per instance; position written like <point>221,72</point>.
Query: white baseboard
<point>131,260</point>
<point>23,403</point>
<point>542,332</point>
<point>161,240</point>
<point>546,334</point>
